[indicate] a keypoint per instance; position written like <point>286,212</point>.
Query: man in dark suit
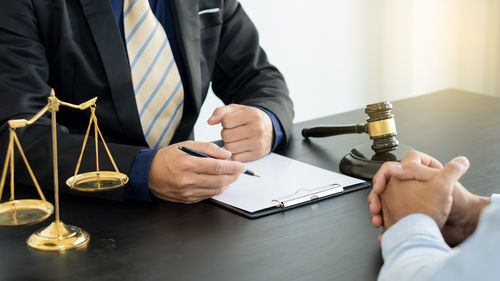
<point>88,48</point>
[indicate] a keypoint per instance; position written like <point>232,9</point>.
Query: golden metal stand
<point>57,236</point>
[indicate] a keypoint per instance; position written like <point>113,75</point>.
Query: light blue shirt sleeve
<point>411,248</point>
<point>414,249</point>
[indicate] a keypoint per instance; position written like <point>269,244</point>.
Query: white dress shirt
<point>414,249</point>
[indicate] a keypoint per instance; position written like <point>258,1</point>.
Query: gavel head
<point>381,127</point>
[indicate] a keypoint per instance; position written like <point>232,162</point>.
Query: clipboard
<point>285,183</point>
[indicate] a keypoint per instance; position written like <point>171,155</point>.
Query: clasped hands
<point>420,184</point>
<point>248,134</point>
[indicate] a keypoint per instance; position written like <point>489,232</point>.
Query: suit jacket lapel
<point>114,58</point>
<point>185,16</point>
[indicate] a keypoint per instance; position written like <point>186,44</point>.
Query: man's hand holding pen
<point>180,177</point>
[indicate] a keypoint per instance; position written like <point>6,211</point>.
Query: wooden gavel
<point>380,126</point>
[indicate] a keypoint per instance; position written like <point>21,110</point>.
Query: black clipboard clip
<point>308,194</point>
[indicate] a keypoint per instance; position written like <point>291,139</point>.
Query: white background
<point>339,55</point>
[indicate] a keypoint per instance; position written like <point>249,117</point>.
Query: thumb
<point>219,113</point>
<point>454,170</point>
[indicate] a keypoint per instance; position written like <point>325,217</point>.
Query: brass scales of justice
<point>57,236</point>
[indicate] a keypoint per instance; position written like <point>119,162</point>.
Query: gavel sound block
<point>363,162</point>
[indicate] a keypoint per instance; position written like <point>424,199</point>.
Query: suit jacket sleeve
<point>242,72</point>
<point>25,83</point>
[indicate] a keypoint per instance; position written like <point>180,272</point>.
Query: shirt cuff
<point>409,227</point>
<point>279,135</point>
<point>138,188</point>
<point>495,198</point>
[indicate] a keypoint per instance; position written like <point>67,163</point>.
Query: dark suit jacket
<point>75,47</point>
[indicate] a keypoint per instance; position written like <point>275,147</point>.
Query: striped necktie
<point>157,85</point>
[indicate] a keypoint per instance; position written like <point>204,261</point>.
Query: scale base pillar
<point>58,237</point>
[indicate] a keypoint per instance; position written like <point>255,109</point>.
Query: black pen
<point>199,154</point>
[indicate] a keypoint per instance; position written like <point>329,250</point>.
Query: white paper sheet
<point>280,177</point>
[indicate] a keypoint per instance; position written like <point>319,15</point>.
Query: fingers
<point>377,221</point>
<point>375,207</point>
<point>383,175</point>
<point>236,134</point>
<point>379,181</point>
<point>453,171</point>
<point>209,166</point>
<point>235,115</point>
<point>241,146</point>
<point>246,156</point>
<point>214,185</point>
<point>414,166</point>
<point>190,196</point>
<point>413,171</point>
<point>421,158</point>
<point>210,149</point>
<point>240,117</point>
<point>248,149</point>
<point>374,203</point>
<point>220,112</point>
<point>431,162</point>
<point>193,187</point>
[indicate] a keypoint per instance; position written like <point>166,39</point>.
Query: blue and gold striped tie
<point>157,85</point>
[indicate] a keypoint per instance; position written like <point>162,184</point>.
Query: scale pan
<point>97,181</point>
<point>24,212</point>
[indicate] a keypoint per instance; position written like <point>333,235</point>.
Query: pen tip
<point>255,175</point>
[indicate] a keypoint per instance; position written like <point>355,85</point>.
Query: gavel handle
<point>326,131</point>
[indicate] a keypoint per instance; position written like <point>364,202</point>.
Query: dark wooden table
<point>330,240</point>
